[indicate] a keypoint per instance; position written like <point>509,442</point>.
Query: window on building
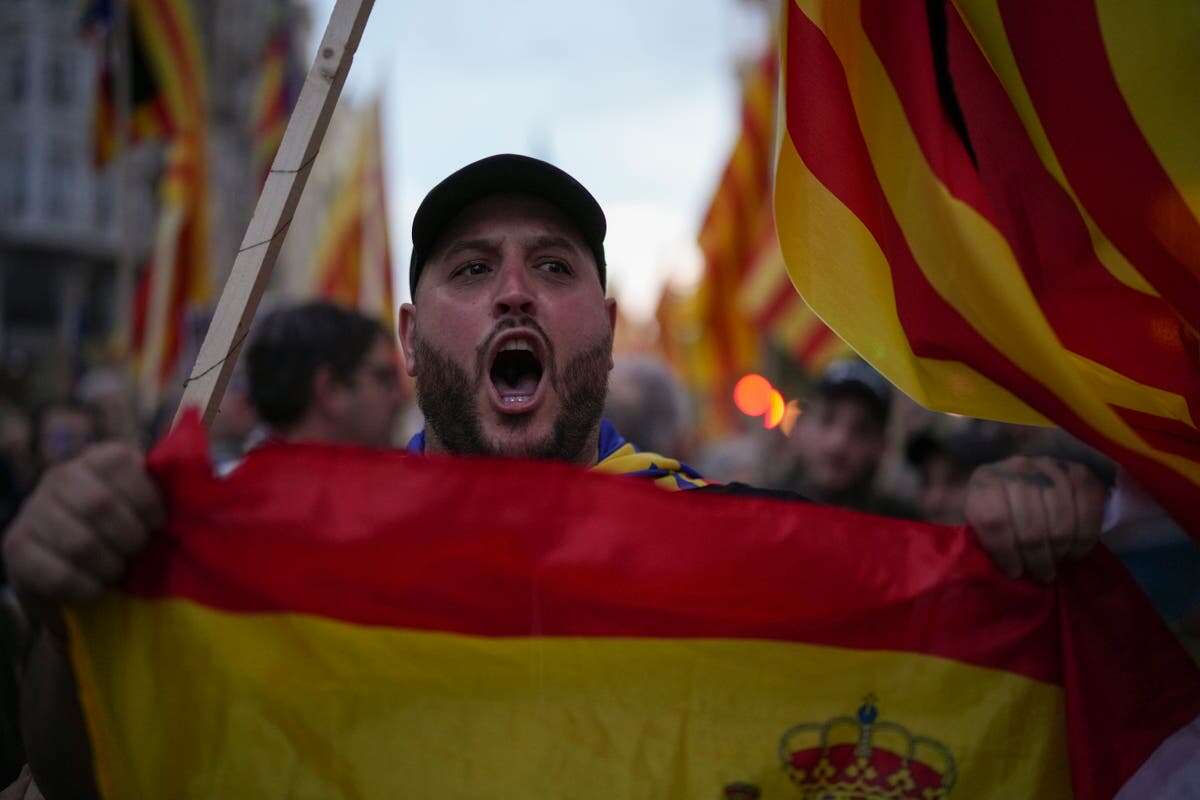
<point>60,78</point>
<point>16,77</point>
<point>61,174</point>
<point>14,179</point>
<point>103,200</point>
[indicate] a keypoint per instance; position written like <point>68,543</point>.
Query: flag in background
<point>177,279</point>
<point>996,204</point>
<point>148,119</point>
<point>730,237</point>
<point>769,299</point>
<point>745,296</point>
<point>353,264</point>
<point>603,638</point>
<point>275,96</point>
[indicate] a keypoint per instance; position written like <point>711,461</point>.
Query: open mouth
<point>516,373</point>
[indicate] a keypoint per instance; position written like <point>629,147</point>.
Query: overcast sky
<point>635,98</point>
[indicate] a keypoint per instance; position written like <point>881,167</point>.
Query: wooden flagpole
<point>276,205</point>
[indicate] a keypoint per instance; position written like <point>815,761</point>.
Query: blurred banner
<point>280,80</point>
<point>353,254</point>
<point>745,297</point>
<point>996,204</point>
<point>168,101</point>
<point>298,628</point>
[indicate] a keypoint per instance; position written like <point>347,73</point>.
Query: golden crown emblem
<point>865,758</point>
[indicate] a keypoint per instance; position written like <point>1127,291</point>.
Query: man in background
<point>322,373</point>
<point>839,439</point>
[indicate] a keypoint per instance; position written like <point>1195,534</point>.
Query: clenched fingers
<point>123,469</point>
<point>987,512</point>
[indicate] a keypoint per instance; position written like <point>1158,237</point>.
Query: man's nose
<point>514,295</point>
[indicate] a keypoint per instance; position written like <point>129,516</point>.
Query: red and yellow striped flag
<point>297,631</point>
<point>177,279</point>
<point>353,258</point>
<point>274,97</point>
<point>996,204</point>
<point>147,116</point>
<point>730,238</point>
<point>768,298</point>
<point>745,296</point>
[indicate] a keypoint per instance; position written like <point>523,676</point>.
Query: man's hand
<point>1032,513</point>
<point>84,520</point>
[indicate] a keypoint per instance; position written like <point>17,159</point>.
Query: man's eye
<point>473,269</point>
<point>556,267</point>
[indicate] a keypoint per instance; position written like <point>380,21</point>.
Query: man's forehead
<point>501,216</point>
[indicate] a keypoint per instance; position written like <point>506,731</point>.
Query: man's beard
<point>447,397</point>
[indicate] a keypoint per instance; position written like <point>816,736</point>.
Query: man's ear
<point>408,337</point>
<point>610,306</point>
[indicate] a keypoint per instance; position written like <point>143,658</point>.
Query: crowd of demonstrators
<point>509,339</point>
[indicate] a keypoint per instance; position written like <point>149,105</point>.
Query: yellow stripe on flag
<point>400,713</point>
<point>983,20</point>
<point>818,233</point>
<point>1162,105</point>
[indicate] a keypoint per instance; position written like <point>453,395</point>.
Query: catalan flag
<point>176,279</point>
<point>148,119</point>
<point>509,629</point>
<point>275,97</point>
<point>728,344</point>
<point>745,297</point>
<point>353,258</point>
<point>770,301</point>
<point>996,204</point>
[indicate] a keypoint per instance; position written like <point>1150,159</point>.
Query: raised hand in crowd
<point>1032,513</point>
<point>85,519</point>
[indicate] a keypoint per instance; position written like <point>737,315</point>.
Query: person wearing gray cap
<point>839,440</point>
<point>509,336</point>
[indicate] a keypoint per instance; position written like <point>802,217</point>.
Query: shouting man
<point>509,337</point>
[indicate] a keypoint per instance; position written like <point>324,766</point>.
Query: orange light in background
<point>753,395</point>
<point>776,412</point>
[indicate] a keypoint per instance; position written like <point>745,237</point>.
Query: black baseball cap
<point>504,173</point>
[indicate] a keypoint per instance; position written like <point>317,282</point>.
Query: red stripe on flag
<point>1013,190</point>
<point>1161,433</point>
<point>822,124</point>
<point>450,562</point>
<point>812,347</point>
<point>168,16</point>
<point>1060,51</point>
<point>304,528</point>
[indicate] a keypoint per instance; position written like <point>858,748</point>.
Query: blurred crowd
<point>320,372</point>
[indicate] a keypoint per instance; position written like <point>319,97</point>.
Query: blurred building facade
<point>64,226</point>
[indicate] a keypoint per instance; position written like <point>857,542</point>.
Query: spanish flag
<point>997,202</point>
<point>333,622</point>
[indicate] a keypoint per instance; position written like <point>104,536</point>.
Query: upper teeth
<point>517,344</point>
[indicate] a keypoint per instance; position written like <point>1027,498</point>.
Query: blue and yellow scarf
<point>619,457</point>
